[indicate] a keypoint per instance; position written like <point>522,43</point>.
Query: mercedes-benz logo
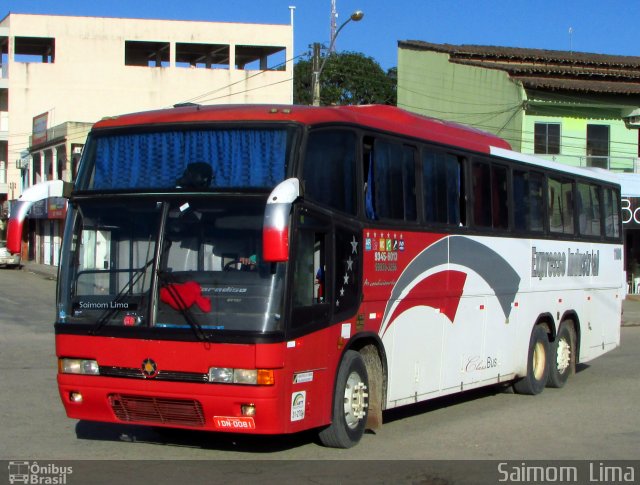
<point>149,368</point>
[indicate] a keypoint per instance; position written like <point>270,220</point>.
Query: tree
<point>347,78</point>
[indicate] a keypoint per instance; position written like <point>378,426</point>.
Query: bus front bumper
<point>213,407</point>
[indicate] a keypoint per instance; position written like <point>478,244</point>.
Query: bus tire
<point>535,380</point>
<point>350,404</point>
<point>562,356</point>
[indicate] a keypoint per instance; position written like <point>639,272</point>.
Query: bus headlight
<point>245,376</point>
<point>78,366</point>
<point>227,375</point>
<point>221,374</point>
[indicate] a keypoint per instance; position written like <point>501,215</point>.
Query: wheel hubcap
<point>539,358</point>
<point>563,356</point>
<point>355,400</point>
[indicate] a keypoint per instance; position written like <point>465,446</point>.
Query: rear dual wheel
<point>562,356</point>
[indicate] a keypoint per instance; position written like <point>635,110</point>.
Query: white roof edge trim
<point>600,174</point>
<point>629,184</point>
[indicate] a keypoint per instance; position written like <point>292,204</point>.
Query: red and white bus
<point>268,270</point>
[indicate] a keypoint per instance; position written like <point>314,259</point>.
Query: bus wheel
<point>350,404</point>
<point>537,364</point>
<point>562,356</point>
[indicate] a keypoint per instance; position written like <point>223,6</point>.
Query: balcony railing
<point>59,131</point>
<point>615,164</point>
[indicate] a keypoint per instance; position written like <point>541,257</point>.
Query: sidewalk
<point>630,306</point>
<point>631,311</point>
<point>45,270</point>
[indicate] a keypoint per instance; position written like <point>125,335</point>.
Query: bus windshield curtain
<point>253,158</point>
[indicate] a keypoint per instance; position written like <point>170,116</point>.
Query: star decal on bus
<point>354,246</point>
<point>349,269</point>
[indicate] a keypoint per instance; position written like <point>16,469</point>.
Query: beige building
<point>58,69</point>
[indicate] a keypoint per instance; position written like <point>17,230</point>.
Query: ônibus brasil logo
<point>35,473</point>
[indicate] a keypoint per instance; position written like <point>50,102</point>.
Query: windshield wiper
<point>182,306</point>
<point>113,308</point>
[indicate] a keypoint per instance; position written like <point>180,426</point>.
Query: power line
<point>617,147</point>
<point>228,86</point>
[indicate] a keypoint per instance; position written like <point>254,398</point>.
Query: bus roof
<point>380,117</point>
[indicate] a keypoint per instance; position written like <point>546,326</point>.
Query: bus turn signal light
<point>266,377</point>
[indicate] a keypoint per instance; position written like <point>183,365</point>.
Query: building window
<point>35,49</point>
<point>147,54</point>
<point>547,138</point>
<point>261,58</point>
<point>598,146</point>
<point>202,56</point>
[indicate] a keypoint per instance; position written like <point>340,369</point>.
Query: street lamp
<point>315,80</point>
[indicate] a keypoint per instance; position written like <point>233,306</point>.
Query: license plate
<point>234,423</point>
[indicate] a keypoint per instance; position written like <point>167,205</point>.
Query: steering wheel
<point>232,265</point>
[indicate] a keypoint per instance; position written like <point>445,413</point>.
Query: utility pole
<point>334,17</point>
<point>571,40</point>
<point>317,67</point>
<point>315,81</point>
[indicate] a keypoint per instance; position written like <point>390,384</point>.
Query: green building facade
<point>574,108</point>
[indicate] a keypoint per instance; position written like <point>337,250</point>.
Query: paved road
<point>594,417</point>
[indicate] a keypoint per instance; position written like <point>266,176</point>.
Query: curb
<point>51,274</point>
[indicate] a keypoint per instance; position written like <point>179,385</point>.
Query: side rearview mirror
<point>35,193</point>
<point>275,229</point>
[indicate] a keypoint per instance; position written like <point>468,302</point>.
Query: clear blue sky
<point>599,26</point>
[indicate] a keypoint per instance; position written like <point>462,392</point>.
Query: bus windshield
<point>205,251</point>
<point>197,159</point>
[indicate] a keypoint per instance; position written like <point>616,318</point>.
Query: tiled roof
<point>547,69</point>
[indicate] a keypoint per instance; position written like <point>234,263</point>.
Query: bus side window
<point>528,203</point>
<point>481,194</point>
<point>310,268</point>
<point>443,188</point>
<point>560,206</point>
<point>499,198</point>
<point>490,200</point>
<point>588,209</point>
<point>311,290</point>
<point>329,170</point>
<point>390,181</point>
<point>611,210</point>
